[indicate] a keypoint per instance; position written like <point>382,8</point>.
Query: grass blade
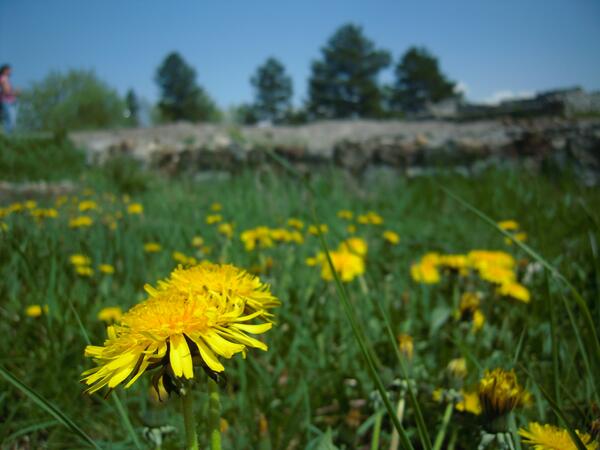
<point>116,400</point>
<point>48,407</point>
<point>362,342</point>
<point>420,421</point>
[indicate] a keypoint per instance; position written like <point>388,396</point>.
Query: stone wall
<point>353,145</point>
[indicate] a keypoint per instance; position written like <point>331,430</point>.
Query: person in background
<point>8,100</point>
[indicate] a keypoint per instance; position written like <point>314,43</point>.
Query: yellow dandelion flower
<point>480,259</point>
<point>497,274</point>
<point>30,204</point>
<point>81,222</point>
<point>425,273</point>
<point>296,236</point>
<point>216,207</point>
<point>110,314</point>
<point>238,284</point>
<point>135,208</point>
<point>406,345</point>
<point>87,205</point>
<point>391,237</point>
<point>257,237</point>
<point>347,265</point>
<point>152,247</point>
<point>36,310</point>
<point>515,290</point>
<point>78,259</point>
<point>41,213</point>
<point>469,302</point>
<point>345,214</point>
<point>457,367</point>
<point>295,223</point>
<point>431,258</point>
<point>370,218</point>
<point>500,393</point>
<point>478,321</point>
<point>195,317</point>
<point>319,258</point>
<point>280,234</point>
<point>214,218</point>
<point>355,245</point>
<point>226,229</point>
<point>106,268</point>
<point>84,271</point>
<point>182,258</point>
<point>312,229</point>
<point>197,241</point>
<point>550,437</point>
<point>351,229</point>
<point>455,262</point>
<point>521,237</point>
<point>469,403</point>
<point>508,225</point>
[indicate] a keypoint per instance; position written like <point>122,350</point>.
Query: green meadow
<point>336,343</point>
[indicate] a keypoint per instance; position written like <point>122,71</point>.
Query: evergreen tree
<point>272,91</point>
<point>344,82</point>
<point>133,107</point>
<point>419,81</point>
<point>181,97</point>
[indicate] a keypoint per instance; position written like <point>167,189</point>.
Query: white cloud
<point>506,94</point>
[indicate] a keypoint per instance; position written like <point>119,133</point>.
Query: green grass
<point>313,387</point>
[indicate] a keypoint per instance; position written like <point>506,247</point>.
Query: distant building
<point>566,102</point>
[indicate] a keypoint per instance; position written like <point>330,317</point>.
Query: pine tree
<point>181,97</point>
<point>273,91</point>
<point>419,81</point>
<point>344,82</point>
<point>133,107</point>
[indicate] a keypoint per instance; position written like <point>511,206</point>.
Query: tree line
<point>343,84</point>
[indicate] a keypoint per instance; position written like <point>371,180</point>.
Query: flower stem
<point>439,439</point>
<point>191,439</point>
<point>377,430</point>
<point>214,415</point>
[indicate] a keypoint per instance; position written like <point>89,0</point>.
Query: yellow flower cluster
<point>83,266</point>
<point>495,267</point>
<point>426,271</point>
<point>348,260</point>
<point>265,237</point>
<point>194,317</point>
<point>513,228</point>
<point>370,218</point>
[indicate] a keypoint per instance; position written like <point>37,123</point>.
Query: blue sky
<point>490,47</point>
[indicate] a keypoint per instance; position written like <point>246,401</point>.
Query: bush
<point>26,159</point>
<point>73,101</point>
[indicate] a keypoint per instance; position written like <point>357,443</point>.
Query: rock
<point>354,145</point>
